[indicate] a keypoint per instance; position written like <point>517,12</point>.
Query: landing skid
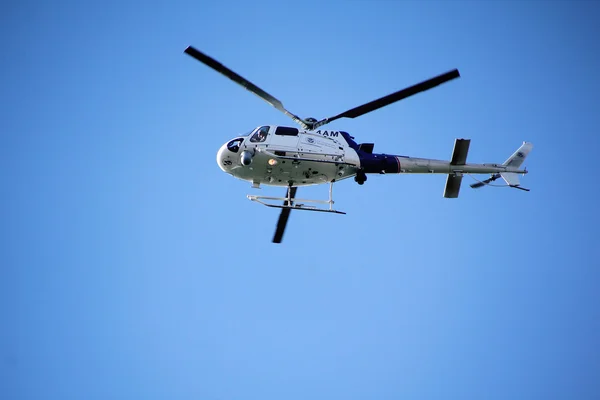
<point>297,204</point>
<point>304,207</point>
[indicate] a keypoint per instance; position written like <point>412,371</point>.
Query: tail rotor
<point>480,184</point>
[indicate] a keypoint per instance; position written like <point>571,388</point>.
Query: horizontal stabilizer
<point>459,158</point>
<point>452,186</point>
<point>459,154</point>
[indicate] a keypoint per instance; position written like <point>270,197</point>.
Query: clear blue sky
<point>132,267</point>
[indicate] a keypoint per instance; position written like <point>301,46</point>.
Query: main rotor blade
<point>217,66</point>
<point>392,98</point>
<point>283,217</point>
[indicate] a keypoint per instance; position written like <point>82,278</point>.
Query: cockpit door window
<point>260,135</point>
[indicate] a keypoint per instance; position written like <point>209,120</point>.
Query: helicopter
<point>291,157</point>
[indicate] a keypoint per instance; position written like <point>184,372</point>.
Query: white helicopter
<point>291,157</point>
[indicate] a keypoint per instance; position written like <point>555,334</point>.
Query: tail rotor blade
<point>284,216</point>
<point>477,185</point>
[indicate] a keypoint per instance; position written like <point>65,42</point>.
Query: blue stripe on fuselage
<point>375,163</point>
<point>379,163</point>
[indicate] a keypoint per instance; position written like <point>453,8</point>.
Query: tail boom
<point>455,168</point>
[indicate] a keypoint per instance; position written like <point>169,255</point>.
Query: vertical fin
<point>511,178</point>
<point>519,156</point>
<point>515,161</point>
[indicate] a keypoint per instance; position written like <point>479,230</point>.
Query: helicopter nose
<point>221,154</point>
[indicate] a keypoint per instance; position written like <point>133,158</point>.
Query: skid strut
<point>297,204</point>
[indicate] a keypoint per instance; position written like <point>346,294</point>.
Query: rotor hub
<point>310,123</point>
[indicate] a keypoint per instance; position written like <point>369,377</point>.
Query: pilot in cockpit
<point>234,145</point>
<point>261,135</point>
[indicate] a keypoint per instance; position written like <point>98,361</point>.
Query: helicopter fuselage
<point>285,156</point>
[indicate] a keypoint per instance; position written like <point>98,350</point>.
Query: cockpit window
<point>234,145</point>
<point>260,135</point>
